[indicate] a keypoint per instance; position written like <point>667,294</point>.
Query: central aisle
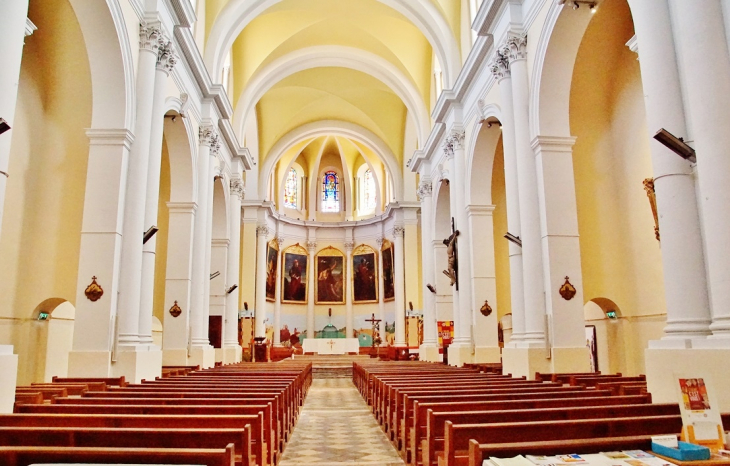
<point>336,427</point>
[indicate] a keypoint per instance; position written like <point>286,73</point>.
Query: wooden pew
<point>109,381</point>
<point>74,388</point>
<point>131,438</point>
<point>564,377</point>
<point>47,392</point>
<point>434,440</point>
<point>457,436</point>
<point>26,456</point>
<point>21,399</point>
<point>592,381</point>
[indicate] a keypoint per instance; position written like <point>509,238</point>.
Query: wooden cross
<point>376,326</point>
<point>331,343</point>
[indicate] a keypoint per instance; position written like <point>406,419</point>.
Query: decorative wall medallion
<point>567,291</point>
<point>175,310</point>
<point>93,292</point>
<point>486,309</point>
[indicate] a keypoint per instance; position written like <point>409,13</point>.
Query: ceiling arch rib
<point>237,14</point>
<point>332,128</point>
<point>334,56</point>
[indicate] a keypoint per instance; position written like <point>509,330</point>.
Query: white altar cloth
<point>331,345</point>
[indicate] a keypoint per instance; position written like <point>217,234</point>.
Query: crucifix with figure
<point>376,327</point>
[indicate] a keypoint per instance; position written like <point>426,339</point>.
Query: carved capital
<point>425,189</point>
<point>209,137</point>
<point>149,37</point>
<point>262,230</point>
<point>457,137</point>
<point>500,66</point>
<point>399,231</point>
<point>279,241</point>
<point>448,148</point>
<point>349,246</point>
<point>380,241</point>
<point>311,246</point>
<point>515,48</point>
<point>167,57</point>
<point>237,188</point>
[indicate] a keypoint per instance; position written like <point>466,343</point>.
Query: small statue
<point>450,243</point>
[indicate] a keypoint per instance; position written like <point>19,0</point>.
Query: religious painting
<point>330,270</point>
<point>294,275</point>
<point>592,347</point>
<point>364,275</point>
<point>388,272</point>
<point>272,268</point>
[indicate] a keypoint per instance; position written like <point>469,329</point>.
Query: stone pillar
<point>9,369</point>
<point>178,284</point>
<point>500,69</point>
<point>453,207</point>
<point>12,32</point>
<point>201,353</point>
<point>381,294</point>
<point>429,350</point>
<point>262,233</point>
<point>349,324</point>
<point>277,293</point>
<point>213,173</point>
<point>699,27</point>
<point>311,277</point>
<point>232,351</point>
<point>100,251</point>
<point>399,270</point>
<point>134,359</point>
<point>166,60</point>
<point>683,263</point>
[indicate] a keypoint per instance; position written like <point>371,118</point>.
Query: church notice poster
<point>388,274</point>
<point>364,277</point>
<point>330,270</point>
<point>701,419</point>
<point>272,267</point>
<point>294,275</point>
<point>446,331</point>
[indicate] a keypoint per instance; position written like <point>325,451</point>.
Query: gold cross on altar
<point>331,343</point>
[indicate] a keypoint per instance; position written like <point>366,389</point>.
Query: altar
<point>331,345</point>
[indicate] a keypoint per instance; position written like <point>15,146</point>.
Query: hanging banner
<point>446,332</point>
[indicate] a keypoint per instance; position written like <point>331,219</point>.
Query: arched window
<point>369,197</point>
<point>290,190</point>
<point>330,192</point>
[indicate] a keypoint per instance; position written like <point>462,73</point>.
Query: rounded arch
<point>220,209</point>
<point>480,150</point>
<point>237,14</point>
<point>334,56</point>
<point>110,62</point>
<point>180,148</point>
<point>336,128</point>
<point>442,210</point>
<point>552,78</point>
<point>284,176</point>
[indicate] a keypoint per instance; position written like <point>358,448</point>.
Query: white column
<point>135,194</point>
<point>230,331</point>
<point>166,60</point>
<point>200,347</point>
<point>381,294</point>
<point>532,268</point>
<point>400,278</point>
<point>262,233</point>
<point>12,32</point>
<point>501,71</point>
<point>209,243</point>
<point>683,263</point>
<point>349,324</point>
<point>277,293</point>
<point>311,277</point>
<point>453,207</point>
<point>9,369</point>
<point>429,349</point>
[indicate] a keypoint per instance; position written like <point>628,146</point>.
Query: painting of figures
<point>364,277</point>
<point>294,276</point>
<point>388,273</point>
<point>330,278</point>
<point>272,266</point>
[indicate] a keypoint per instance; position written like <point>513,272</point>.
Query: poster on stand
<point>701,421</point>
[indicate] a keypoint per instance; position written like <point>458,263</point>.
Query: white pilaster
<point>232,350</point>
<point>262,233</point>
<point>400,278</point>
<point>429,350</point>
<point>311,277</point>
<point>9,370</point>
<point>453,207</point>
<point>381,294</point>
<point>277,293</point>
<point>349,324</point>
<point>213,173</point>
<point>12,33</point>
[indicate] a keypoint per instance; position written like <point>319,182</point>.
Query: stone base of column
<point>711,364</point>
<point>203,356</point>
<point>460,354</point>
<point>138,363</point>
<point>575,359</point>
<point>429,353</point>
<point>175,357</point>
<point>521,361</point>
<point>9,370</point>
<point>90,364</point>
<point>487,354</point>
<point>228,354</point>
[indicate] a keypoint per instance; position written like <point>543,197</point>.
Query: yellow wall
<point>163,222</point>
<point>501,247</point>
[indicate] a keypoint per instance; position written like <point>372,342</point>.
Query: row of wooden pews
<point>240,414</point>
<point>437,415</point>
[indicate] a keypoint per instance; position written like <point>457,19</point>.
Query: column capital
<point>454,141</point>
<point>311,246</point>
<point>399,231</point>
<point>349,246</point>
<point>208,136</point>
<point>515,47</point>
<point>279,241</point>
<point>425,189</point>
<point>262,230</point>
<point>380,241</point>
<point>500,65</point>
<point>167,56</point>
<point>149,37</point>
<point>237,188</point>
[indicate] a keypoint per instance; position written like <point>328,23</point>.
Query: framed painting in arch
<point>388,273</point>
<point>330,276</point>
<point>294,275</point>
<point>272,268</point>
<point>364,275</point>
<point>592,346</point>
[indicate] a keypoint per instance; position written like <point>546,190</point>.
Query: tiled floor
<point>337,428</point>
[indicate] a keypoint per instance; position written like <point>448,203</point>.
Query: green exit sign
<point>43,316</point>
<point>611,315</point>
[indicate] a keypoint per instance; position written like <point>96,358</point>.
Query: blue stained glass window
<point>330,192</point>
<point>290,190</point>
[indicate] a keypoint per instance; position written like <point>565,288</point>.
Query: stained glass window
<point>369,190</point>
<point>290,190</point>
<point>330,192</point>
